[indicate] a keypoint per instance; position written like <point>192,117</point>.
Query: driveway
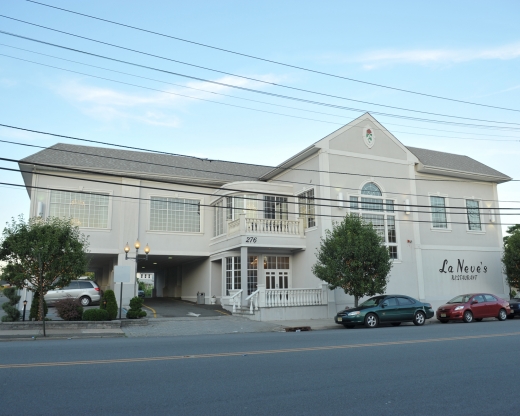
<point>175,308</point>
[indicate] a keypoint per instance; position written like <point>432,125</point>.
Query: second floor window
<point>307,208</point>
<point>439,219</point>
<point>175,214</point>
<point>379,212</point>
<point>473,210</point>
<point>87,210</point>
<point>218,218</point>
<point>238,204</point>
<point>276,208</point>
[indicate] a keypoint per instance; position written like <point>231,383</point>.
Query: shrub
<point>111,307</point>
<point>95,315</point>
<point>12,312</point>
<point>135,311</point>
<point>69,309</point>
<point>33,313</point>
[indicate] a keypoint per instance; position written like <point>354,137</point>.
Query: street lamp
<point>138,257</point>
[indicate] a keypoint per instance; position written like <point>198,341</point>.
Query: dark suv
<point>86,291</point>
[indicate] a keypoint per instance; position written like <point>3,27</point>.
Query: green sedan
<point>391,309</point>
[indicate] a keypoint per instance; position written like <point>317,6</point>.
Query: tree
<point>42,255</point>
<point>511,256</point>
<point>353,257</point>
<point>111,304</point>
<point>12,312</point>
<point>135,311</point>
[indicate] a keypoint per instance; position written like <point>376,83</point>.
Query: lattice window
<point>87,210</point>
<point>175,214</point>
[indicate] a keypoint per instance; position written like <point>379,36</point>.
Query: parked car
<point>392,309</point>
<point>474,306</point>
<point>140,293</point>
<point>86,291</point>
<point>514,304</point>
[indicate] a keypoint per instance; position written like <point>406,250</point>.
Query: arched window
<point>371,189</point>
<point>378,211</point>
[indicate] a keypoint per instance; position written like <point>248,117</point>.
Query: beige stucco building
<point>247,235</point>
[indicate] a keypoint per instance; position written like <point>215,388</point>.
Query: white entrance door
<point>276,272</point>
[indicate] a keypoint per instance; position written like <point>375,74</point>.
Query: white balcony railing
<point>245,225</point>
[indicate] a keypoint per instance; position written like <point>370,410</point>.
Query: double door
<point>277,279</point>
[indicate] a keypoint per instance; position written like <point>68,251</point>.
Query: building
<point>248,234</point>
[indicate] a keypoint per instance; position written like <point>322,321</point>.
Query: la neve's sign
<point>466,272</point>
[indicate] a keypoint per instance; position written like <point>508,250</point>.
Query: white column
<point>243,271</point>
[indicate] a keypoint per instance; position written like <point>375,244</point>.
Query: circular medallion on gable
<point>368,136</point>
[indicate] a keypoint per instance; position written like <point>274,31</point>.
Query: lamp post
<point>24,307</point>
<point>138,257</point>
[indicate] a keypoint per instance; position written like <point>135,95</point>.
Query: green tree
<point>111,306</point>
<point>12,312</point>
<point>353,257</point>
<point>135,311</point>
<point>42,255</point>
<point>34,311</point>
<point>511,256</point>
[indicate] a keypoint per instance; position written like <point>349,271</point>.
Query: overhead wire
<point>140,186</point>
<point>270,60</point>
<point>514,139</point>
<point>256,80</point>
<point>233,175</point>
<point>185,182</point>
<point>249,164</point>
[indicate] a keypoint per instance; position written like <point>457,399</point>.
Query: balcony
<point>244,225</point>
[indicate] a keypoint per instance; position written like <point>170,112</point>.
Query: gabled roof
<point>442,163</point>
<point>133,163</point>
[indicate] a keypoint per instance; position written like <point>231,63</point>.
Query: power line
<point>273,61</point>
<point>239,76</point>
<point>225,95</point>
<point>231,174</point>
<point>233,208</point>
<point>247,164</point>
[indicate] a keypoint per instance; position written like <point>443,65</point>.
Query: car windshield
<point>372,301</point>
<point>460,299</point>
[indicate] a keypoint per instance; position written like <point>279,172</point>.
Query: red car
<point>474,306</point>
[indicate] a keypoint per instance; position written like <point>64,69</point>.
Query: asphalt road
<point>452,369</point>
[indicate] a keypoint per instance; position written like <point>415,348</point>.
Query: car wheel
<point>502,315</point>
<point>419,318</point>
<point>396,323</point>
<point>478,319</point>
<point>443,321</point>
<point>468,317</point>
<point>84,300</point>
<point>371,320</point>
<point>349,326</point>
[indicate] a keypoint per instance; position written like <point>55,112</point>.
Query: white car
<point>86,291</point>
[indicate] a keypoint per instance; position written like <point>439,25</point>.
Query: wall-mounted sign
<point>462,270</point>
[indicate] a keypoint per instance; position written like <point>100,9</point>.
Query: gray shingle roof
<point>134,162</point>
<point>450,161</point>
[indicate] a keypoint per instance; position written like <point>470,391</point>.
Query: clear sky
<point>467,50</point>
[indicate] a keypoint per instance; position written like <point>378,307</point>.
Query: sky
<point>464,50</point>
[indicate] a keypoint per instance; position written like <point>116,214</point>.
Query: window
<point>252,274</point>
<point>175,214</point>
<point>276,272</point>
<point>379,212</point>
<point>438,212</point>
<point>86,209</point>
<point>233,275</point>
<point>391,302</point>
<point>85,285</point>
<point>218,218</point>
<point>490,298</point>
<point>473,215</point>
<point>276,208</point>
<point>307,208</point>
<point>241,204</point>
<point>405,301</point>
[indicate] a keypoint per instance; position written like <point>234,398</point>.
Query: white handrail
<point>293,297</point>
<point>235,300</point>
<point>253,298</point>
